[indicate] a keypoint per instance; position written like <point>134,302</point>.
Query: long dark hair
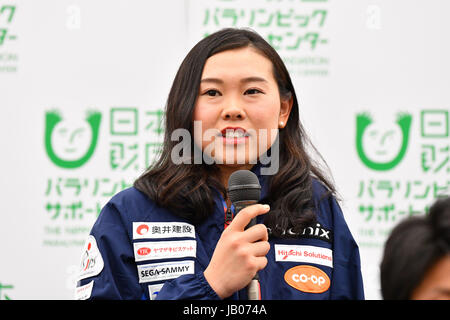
<point>188,190</point>
<point>414,246</point>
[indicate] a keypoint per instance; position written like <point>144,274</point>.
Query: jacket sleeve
<point>190,286</point>
<point>107,268</point>
<point>347,280</point>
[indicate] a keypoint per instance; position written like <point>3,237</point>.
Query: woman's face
<point>436,282</point>
<point>238,107</point>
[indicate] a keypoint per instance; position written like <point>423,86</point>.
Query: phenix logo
<point>316,232</point>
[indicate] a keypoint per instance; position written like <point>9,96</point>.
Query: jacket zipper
<point>228,217</point>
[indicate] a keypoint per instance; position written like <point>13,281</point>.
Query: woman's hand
<point>239,253</point>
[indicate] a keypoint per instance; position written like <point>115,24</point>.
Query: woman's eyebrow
<point>212,80</point>
<point>253,79</point>
<point>243,80</point>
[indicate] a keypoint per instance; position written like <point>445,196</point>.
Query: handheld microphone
<point>244,190</point>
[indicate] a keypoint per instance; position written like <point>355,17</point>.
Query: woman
<point>174,235</point>
<point>416,257</point>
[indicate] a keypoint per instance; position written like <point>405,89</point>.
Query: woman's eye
<point>212,93</point>
<point>252,91</point>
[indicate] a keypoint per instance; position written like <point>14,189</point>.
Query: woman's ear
<point>285,110</point>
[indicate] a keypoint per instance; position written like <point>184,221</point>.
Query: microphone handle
<point>253,288</point>
<point>239,205</point>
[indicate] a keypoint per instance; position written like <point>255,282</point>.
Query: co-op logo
<point>307,279</point>
<point>381,145</point>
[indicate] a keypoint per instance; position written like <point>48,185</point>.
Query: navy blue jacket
<point>138,250</point>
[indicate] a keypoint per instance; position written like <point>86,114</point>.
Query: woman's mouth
<point>234,135</point>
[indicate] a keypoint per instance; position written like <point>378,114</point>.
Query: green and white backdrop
<point>83,86</point>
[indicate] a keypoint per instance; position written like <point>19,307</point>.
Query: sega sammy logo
<point>164,270</point>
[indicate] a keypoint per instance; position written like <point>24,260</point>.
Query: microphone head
<point>243,185</point>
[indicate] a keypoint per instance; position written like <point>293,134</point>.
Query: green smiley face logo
<point>381,147</point>
<point>70,144</point>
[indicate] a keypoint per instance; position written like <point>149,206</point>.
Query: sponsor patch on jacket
<point>307,279</point>
<point>316,231</point>
<point>158,230</point>
<point>91,259</point>
<point>164,249</point>
<point>154,289</point>
<point>164,270</point>
<point>84,292</point>
<point>305,254</point>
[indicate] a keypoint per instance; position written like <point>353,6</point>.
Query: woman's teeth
<point>234,134</point>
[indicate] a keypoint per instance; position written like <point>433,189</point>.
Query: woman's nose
<point>233,112</point>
